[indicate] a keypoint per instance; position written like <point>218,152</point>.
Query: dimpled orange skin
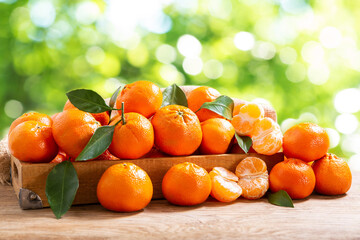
<point>306,141</point>
<point>186,184</point>
<point>197,97</point>
<point>134,139</point>
<point>31,116</point>
<point>142,97</point>
<point>177,130</point>
<point>32,141</point>
<point>103,118</point>
<point>217,134</point>
<point>124,187</point>
<point>333,175</point>
<point>72,130</point>
<point>294,176</point>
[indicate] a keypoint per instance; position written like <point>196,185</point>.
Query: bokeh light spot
<point>213,69</point>
<point>192,66</point>
<point>189,46</point>
<point>347,101</point>
<point>351,143</point>
<point>13,108</point>
<point>288,55</point>
<point>95,55</point>
<point>296,72</point>
<point>170,74</point>
<point>312,52</point>
<point>346,123</point>
<point>264,50</point>
<point>354,162</point>
<point>318,74</point>
<point>42,13</point>
<point>87,12</point>
<point>166,54</point>
<point>330,37</point>
<point>244,41</point>
<point>334,137</point>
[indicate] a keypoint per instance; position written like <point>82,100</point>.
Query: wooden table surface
<point>318,217</point>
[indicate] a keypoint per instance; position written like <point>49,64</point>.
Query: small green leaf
<point>98,143</point>
<point>62,184</point>
<point>223,106</point>
<point>114,96</point>
<point>174,95</point>
<point>280,198</point>
<point>244,142</point>
<point>88,101</point>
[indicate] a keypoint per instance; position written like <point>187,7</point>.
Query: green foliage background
<point>40,61</point>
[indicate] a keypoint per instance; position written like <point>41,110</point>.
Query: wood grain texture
<point>317,217</point>
<point>33,176</point>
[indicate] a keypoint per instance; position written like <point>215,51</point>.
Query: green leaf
<point>280,198</point>
<point>62,184</point>
<point>223,106</point>
<point>244,142</point>
<point>88,101</point>
<point>98,143</point>
<point>174,95</point>
<point>114,96</point>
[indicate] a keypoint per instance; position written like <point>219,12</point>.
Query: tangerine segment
<point>217,134</point>
<point>177,130</point>
<point>31,116</point>
<point>225,190</point>
<point>253,177</point>
<point>186,184</point>
<point>266,136</point>
<point>133,139</point>
<point>224,173</point>
<point>293,176</point>
<point>124,187</point>
<point>197,97</point>
<point>142,97</point>
<point>224,185</point>
<point>32,141</point>
<point>103,117</point>
<point>333,175</point>
<point>248,114</point>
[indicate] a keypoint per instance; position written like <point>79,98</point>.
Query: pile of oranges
<point>145,128</point>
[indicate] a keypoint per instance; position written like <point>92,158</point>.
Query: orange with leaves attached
<point>132,139</point>
<point>197,97</point>
<point>142,97</point>
<point>72,130</point>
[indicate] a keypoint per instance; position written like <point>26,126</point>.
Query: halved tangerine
<point>224,187</point>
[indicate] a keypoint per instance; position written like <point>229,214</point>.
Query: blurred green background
<point>301,56</point>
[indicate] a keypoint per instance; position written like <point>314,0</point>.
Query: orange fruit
<point>177,130</point>
<point>133,139</point>
<point>253,177</point>
<point>124,187</point>
<point>217,134</point>
<point>72,130</point>
<point>32,141</point>
<point>106,156</point>
<point>186,184</point>
<point>237,107</point>
<point>306,141</point>
<point>197,97</point>
<point>294,176</point>
<point>333,175</point>
<point>266,136</point>
<point>31,116</point>
<point>224,187</point>
<point>142,97</point>
<point>103,118</point>
<point>60,157</point>
<point>244,121</point>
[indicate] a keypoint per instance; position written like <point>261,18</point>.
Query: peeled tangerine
<point>224,185</point>
<point>253,177</point>
<point>266,136</point>
<point>248,114</point>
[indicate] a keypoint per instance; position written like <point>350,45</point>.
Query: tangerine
<point>31,116</point>
<point>224,187</point>
<point>244,121</point>
<point>186,184</point>
<point>266,137</point>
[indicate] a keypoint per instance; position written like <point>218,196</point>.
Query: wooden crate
<point>33,176</point>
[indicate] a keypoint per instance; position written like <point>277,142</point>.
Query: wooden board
<point>33,176</point>
<point>317,217</point>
